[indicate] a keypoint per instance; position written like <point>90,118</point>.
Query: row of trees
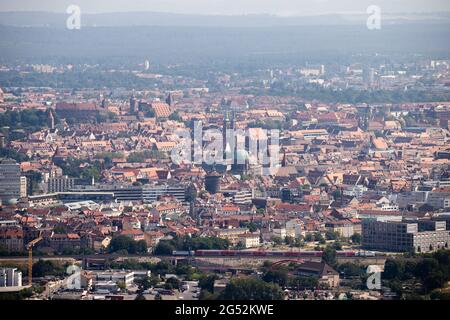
<point>127,245</point>
<point>241,289</point>
<point>80,168</point>
<point>77,79</point>
<point>29,119</point>
<point>290,241</point>
<point>251,289</point>
<point>44,268</point>
<point>13,154</point>
<point>16,296</point>
<point>357,96</point>
<point>268,287</point>
<point>138,157</point>
<point>312,237</point>
<point>166,247</point>
<point>432,271</point>
<point>281,277</point>
<point>108,157</point>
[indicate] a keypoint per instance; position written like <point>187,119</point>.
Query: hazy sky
<point>280,7</point>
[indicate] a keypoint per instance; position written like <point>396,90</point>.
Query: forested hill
<point>212,44</point>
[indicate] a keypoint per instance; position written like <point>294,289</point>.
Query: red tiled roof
<point>161,109</point>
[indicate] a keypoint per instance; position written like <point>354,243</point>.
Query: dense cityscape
<point>323,180</point>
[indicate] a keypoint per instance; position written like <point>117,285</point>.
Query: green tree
<point>184,269</point>
<point>331,235</point>
<point>29,120</point>
<point>164,248</point>
<point>162,268</point>
<point>121,285</point>
<point>148,282</point>
<point>175,117</point>
<point>329,256</point>
<point>191,193</point>
<point>289,241</point>
<point>251,289</point>
<point>434,280</point>
<point>356,238</point>
<point>277,240</point>
<point>393,269</point>
<point>125,243</point>
<point>207,282</point>
<point>337,245</point>
<point>351,269</point>
<point>278,276</point>
<point>319,237</point>
<point>13,154</point>
<point>174,283</point>
<point>252,226</point>
<point>141,246</point>
<point>210,243</point>
<point>44,268</point>
<point>304,282</point>
<point>207,295</point>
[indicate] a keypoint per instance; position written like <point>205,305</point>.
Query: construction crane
<point>29,247</point>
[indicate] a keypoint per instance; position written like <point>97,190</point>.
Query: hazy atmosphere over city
<point>230,7</point>
<point>277,153</point>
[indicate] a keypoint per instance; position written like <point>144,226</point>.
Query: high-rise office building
<point>133,103</point>
<point>12,185</point>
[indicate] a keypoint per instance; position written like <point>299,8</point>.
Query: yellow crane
<point>29,247</point>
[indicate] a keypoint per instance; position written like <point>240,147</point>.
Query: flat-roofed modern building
<point>150,193</point>
<point>443,217</point>
<point>437,198</point>
<point>10,277</point>
<point>85,196</point>
<point>147,193</point>
<point>127,277</point>
<point>60,184</point>
<point>118,192</point>
<point>405,236</point>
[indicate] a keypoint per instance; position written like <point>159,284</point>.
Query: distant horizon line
<point>275,15</point>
